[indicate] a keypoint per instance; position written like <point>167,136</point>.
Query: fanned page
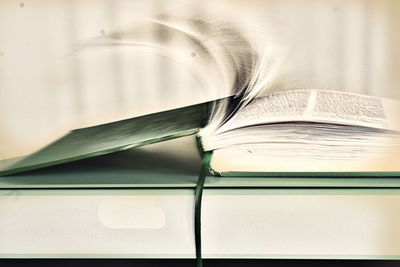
<point>309,131</point>
<point>153,64</point>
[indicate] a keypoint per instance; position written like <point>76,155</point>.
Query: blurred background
<point>67,64</point>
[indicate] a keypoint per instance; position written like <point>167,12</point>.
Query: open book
<point>293,132</point>
<point>253,126</point>
<point>307,131</point>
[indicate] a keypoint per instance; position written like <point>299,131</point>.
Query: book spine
<point>201,152</point>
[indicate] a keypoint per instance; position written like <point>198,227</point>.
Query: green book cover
<point>112,137</point>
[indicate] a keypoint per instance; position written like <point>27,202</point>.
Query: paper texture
<point>318,106</point>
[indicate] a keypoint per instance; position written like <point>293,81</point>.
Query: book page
<point>353,109</point>
<point>309,131</point>
<point>322,106</point>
